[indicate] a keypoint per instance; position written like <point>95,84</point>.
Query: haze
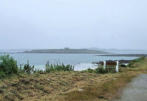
<point>31,24</point>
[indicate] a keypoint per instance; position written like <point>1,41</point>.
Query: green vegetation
<point>89,70</point>
<point>28,69</point>
<point>8,66</point>
<point>107,70</point>
<point>57,67</point>
<point>133,62</point>
<point>101,70</point>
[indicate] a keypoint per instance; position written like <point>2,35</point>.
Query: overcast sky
<point>29,24</point>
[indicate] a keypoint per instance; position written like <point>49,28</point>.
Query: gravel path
<point>136,90</point>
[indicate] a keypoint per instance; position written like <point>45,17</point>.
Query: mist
<point>106,24</point>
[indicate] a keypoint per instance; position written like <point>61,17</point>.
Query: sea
<point>79,61</point>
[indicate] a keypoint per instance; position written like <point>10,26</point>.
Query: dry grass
<point>101,90</point>
<point>68,86</point>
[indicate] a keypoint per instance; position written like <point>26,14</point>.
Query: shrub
<point>108,69</point>
<point>8,65</point>
<point>57,67</point>
<point>101,70</point>
<point>138,59</point>
<point>132,63</point>
<point>2,74</point>
<point>89,70</point>
<point>39,71</point>
<point>28,68</point>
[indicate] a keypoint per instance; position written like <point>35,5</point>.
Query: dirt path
<point>136,90</point>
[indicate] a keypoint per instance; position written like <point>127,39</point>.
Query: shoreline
<point>125,55</point>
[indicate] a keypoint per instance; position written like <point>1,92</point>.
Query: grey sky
<point>31,24</point>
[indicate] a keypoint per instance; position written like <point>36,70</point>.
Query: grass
<point>104,89</point>
<point>101,70</point>
<point>68,85</point>
<point>46,86</point>
<point>58,67</point>
<point>138,60</point>
<point>8,67</point>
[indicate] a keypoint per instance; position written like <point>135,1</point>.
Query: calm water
<point>80,61</point>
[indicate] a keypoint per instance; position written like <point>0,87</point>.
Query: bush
<point>2,74</point>
<point>89,70</point>
<point>57,67</point>
<point>28,68</point>
<point>39,71</point>
<point>101,70</point>
<point>138,59</point>
<point>132,63</point>
<point>8,65</point>
<point>108,69</point>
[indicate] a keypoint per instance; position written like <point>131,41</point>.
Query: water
<point>79,61</point>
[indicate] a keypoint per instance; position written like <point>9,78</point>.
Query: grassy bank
<point>68,85</point>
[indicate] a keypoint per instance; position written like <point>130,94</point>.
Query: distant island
<point>66,51</point>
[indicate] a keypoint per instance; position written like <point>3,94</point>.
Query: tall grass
<point>58,67</point>
<point>28,68</point>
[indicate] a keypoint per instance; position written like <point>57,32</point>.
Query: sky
<point>106,24</point>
